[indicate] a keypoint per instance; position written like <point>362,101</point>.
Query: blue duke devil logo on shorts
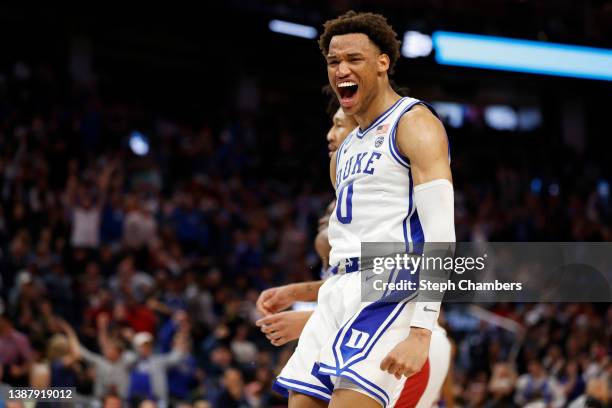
<point>358,339</point>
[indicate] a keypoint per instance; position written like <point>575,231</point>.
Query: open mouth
<point>347,91</point>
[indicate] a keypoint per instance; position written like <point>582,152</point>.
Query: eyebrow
<point>350,54</point>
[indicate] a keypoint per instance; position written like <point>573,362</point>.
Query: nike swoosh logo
<point>429,310</point>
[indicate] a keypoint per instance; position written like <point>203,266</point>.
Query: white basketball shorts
<point>344,342</point>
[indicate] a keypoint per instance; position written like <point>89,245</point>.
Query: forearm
<point>435,204</point>
<point>103,339</point>
<point>306,291</point>
<point>74,344</point>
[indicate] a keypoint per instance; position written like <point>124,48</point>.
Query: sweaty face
<point>354,64</point>
<point>341,127</point>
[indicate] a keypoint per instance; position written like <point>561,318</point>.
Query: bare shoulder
<point>422,139</point>
<point>420,130</point>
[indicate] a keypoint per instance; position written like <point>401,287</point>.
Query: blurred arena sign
<point>416,44</point>
<point>496,117</point>
<point>139,143</point>
<point>509,54</point>
<point>501,117</point>
<point>294,29</point>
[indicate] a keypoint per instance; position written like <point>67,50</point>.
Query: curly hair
<point>375,26</point>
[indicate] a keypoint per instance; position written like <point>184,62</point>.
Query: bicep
<point>421,137</point>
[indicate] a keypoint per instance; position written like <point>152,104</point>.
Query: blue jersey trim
<point>409,213</point>
<point>283,385</point>
<point>389,281</point>
<point>325,380</point>
<point>369,387</point>
<point>391,143</point>
<point>416,230</point>
<point>370,383</point>
<point>380,118</point>
<point>404,226</point>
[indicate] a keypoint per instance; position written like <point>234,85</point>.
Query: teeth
<point>345,84</point>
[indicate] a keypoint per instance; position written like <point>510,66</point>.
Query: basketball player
<point>423,389</point>
<point>393,183</point>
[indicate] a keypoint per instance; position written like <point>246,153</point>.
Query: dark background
<point>237,178</point>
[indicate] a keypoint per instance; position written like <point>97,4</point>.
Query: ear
<point>383,62</point>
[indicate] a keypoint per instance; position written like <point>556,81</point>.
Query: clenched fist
<point>408,357</point>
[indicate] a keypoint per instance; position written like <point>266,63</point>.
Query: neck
<point>379,104</point>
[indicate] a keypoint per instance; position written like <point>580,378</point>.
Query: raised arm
<point>102,322</point>
<point>180,348</point>
<point>77,350</point>
<point>73,340</point>
<point>104,179</point>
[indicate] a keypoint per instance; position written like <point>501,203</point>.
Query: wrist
<point>302,291</point>
<point>420,332</point>
<point>293,292</point>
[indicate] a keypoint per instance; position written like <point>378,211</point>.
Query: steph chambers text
<point>462,285</point>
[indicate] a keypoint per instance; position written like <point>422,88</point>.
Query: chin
<point>350,110</point>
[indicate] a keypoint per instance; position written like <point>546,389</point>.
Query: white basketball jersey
<point>374,189</point>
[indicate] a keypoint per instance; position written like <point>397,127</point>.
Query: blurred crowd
<point>134,277</point>
<point>564,357</point>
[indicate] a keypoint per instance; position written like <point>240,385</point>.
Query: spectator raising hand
<point>111,368</point>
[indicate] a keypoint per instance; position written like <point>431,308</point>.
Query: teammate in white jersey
<point>282,327</point>
<point>393,183</point>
